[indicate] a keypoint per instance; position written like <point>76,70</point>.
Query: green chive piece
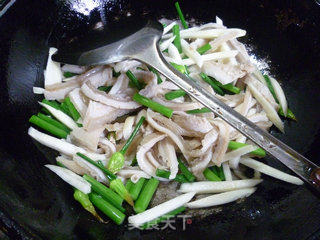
<point>185,171</point>
<point>174,94</point>
<point>64,108</point>
<point>54,122</point>
<point>108,209</point>
<point>136,188</point>
<point>211,176</point>
<point>151,69</point>
<point>229,87</point>
<point>146,195</point>
<point>233,145</point>
<point>69,74</point>
<point>129,184</point>
<point>153,105</point>
<point>108,174</point>
<point>204,48</point>
<point>73,111</point>
<point>133,134</point>
<point>134,80</point>
<point>85,202</point>
<point>271,89</point>
<point>163,218</point>
<point>290,114</point>
<point>105,88</point>
<point>208,80</point>
<point>117,186</point>
<point>48,127</point>
<point>116,161</point>
<point>200,110</point>
<point>180,68</point>
<point>165,174</point>
<point>52,103</point>
<point>105,192</point>
<point>219,172</point>
<point>177,40</point>
<point>115,74</point>
<point>183,21</point>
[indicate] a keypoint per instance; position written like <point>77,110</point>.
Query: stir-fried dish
<point>122,129</point>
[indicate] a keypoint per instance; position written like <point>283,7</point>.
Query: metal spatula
<point>140,42</point>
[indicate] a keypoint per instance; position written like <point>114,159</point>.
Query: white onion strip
<point>216,187</point>
<point>161,209</point>
<point>280,95</point>
<point>207,34</point>
<point>61,116</point>
<point>38,90</point>
<point>263,168</point>
<point>211,56</point>
<point>168,28</point>
<point>226,171</point>
<point>221,198</point>
<point>268,108</point>
<point>191,53</point>
<point>239,152</point>
<point>71,178</point>
<point>165,44</point>
<point>53,73</point>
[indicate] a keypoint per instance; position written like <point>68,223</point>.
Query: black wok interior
<point>36,204</point>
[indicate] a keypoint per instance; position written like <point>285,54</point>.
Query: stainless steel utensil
<point>142,45</point>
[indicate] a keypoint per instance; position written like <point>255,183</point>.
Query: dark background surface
<point>35,204</point>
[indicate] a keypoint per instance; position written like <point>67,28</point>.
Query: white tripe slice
<point>71,178</point>
<point>221,198</point>
<point>212,57</point>
<point>267,107</point>
<point>61,116</point>
<point>165,44</point>
<point>38,90</point>
<point>53,73</point>
<point>263,168</point>
<point>191,53</point>
<point>161,209</point>
<point>239,152</point>
<point>225,48</point>
<point>128,127</point>
<point>168,28</point>
<point>216,187</point>
<point>280,95</point>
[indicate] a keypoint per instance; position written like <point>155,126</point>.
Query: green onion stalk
<point>115,183</point>
<point>116,161</point>
<point>165,174</point>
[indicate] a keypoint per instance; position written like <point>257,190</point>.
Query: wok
<point>35,204</point>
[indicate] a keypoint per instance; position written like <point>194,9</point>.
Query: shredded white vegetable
<point>53,73</point>
<point>280,95</point>
<point>71,178</point>
<point>221,198</point>
<point>161,209</point>
<point>38,90</point>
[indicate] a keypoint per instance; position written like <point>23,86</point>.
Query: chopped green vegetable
<point>52,103</point>
<point>54,122</point>
<point>219,172</point>
<point>73,111</point>
<point>185,171</point>
<point>105,192</point>
<point>183,21</point>
<point>129,184</point>
<point>146,194</point>
<point>229,87</point>
<point>48,127</point>
<point>200,110</point>
<point>69,74</point>
<point>174,94</point>
<point>163,218</point>
<point>64,108</point>
<point>165,174</point>
<point>84,200</point>
<point>105,88</point>
<point>208,80</point>
<point>177,40</point>
<point>116,161</point>
<point>153,105</point>
<point>117,186</point>
<point>211,176</point>
<point>233,145</point>
<point>204,48</point>
<point>135,189</point>
<point>180,68</point>
<point>112,212</point>
<point>156,73</point>
<point>290,114</point>
<point>267,79</point>
<point>134,81</point>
